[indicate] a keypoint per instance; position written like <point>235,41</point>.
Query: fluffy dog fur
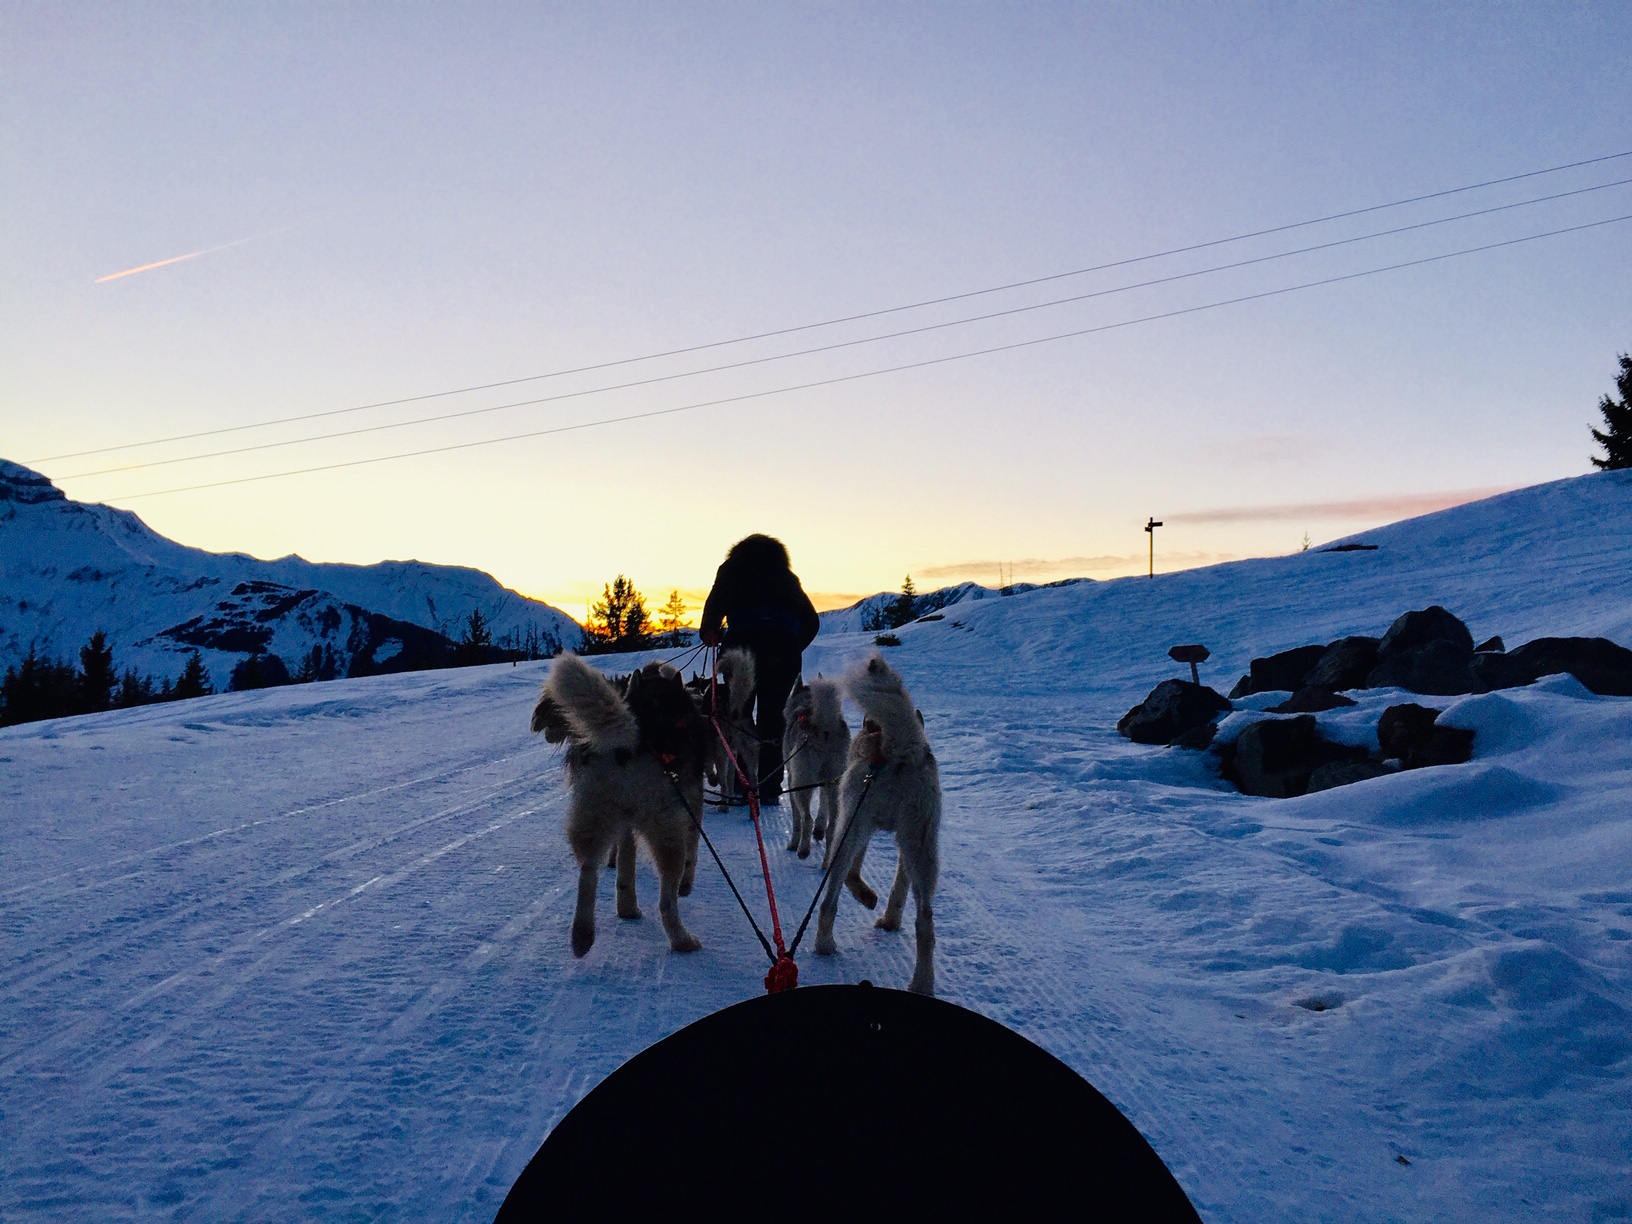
<point>736,713</point>
<point>621,752</point>
<point>903,796</point>
<point>815,745</point>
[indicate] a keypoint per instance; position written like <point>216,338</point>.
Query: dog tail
<point>580,704</point>
<point>877,688</point>
<point>737,669</point>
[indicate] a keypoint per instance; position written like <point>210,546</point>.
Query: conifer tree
<point>1616,437</point>
<point>194,680</point>
<point>96,674</point>
<point>618,621</point>
<point>904,609</point>
<point>672,620</point>
<point>476,642</point>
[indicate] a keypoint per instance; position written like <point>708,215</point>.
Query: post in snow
<point>1150,530</point>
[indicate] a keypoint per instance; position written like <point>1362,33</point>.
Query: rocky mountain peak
<point>21,484</point>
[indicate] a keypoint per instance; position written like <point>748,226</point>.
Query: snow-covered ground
<point>303,952</point>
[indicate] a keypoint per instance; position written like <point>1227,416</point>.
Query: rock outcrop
<point>1173,709</point>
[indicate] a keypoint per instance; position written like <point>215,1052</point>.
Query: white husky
<point>635,766</point>
<point>890,783</point>
<point>814,747</point>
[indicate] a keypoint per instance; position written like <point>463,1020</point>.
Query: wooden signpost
<point>1150,530</point>
<point>1189,654</point>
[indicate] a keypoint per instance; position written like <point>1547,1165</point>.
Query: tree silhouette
<point>476,642</point>
<point>671,619</point>
<point>96,674</point>
<point>1616,438</point>
<point>194,680</point>
<point>618,621</point>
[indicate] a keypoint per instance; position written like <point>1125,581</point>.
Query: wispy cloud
<point>1383,508</point>
<point>175,259</point>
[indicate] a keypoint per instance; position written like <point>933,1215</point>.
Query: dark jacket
<point>760,597</point>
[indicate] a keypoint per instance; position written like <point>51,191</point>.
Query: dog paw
<point>819,832</point>
<point>630,912</point>
<point>804,850</point>
<point>825,945</point>
<point>888,922</point>
<point>866,896</point>
<point>583,938</point>
<point>794,845</point>
<point>685,888</point>
<point>922,983</point>
<point>686,943</point>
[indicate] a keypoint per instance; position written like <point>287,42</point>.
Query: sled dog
<point>814,746</point>
<point>621,754</point>
<point>736,715</point>
<point>891,782</point>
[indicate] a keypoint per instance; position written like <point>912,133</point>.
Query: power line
<point>833,322</point>
<point>843,344</point>
<point>913,365</point>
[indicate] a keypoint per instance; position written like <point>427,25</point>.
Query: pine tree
<point>618,621</point>
<point>1617,436</point>
<point>134,690</point>
<point>39,688</point>
<point>194,680</point>
<point>476,642</point>
<point>904,609</point>
<point>672,620</point>
<point>96,674</point>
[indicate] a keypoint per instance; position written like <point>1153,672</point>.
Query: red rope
<point>784,972</point>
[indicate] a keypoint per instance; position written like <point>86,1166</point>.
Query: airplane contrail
<point>175,259</point>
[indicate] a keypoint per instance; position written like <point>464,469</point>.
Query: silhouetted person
<point>767,613</point>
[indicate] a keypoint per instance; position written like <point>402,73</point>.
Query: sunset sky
<point>221,215</point>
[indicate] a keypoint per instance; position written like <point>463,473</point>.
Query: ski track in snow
<point>303,953</point>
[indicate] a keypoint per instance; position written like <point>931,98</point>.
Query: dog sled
<point>826,1100</point>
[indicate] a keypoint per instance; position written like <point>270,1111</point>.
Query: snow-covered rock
<point>68,569</point>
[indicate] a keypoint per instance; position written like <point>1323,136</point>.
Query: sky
<point>217,216</point>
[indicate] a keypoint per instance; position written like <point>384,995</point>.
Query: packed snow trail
<point>303,952</point>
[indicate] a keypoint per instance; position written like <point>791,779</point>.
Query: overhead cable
<point>852,318</point>
<point>912,365</point>
<point>841,344</point>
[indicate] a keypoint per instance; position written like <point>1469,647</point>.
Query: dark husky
<point>625,756</point>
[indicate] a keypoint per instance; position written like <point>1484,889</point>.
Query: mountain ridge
<point>71,568</point>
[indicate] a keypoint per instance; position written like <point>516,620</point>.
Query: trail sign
<point>1191,655</point>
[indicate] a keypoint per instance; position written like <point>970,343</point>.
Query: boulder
<point>1440,667</point>
<point>1311,699</point>
<point>1345,665</point>
<point>1410,734</point>
<point>1276,757</point>
<point>1345,773</point>
<point>1491,645</point>
<point>1416,629</point>
<point>1282,671</point>
<point>1173,708</point>
<point>1243,688</point>
<point>1197,740</point>
<point>1492,670</point>
<point>1598,663</point>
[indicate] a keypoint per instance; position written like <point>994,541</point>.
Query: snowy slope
<point>855,618</point>
<point>68,569</point>
<point>303,952</point>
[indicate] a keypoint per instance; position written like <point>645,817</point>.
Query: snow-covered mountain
<point>865,612</point>
<point>68,569</point>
